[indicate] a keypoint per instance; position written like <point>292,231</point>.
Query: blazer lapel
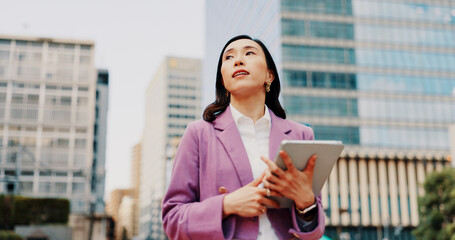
<point>279,131</point>
<point>229,136</point>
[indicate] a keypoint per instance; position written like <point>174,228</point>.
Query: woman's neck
<point>252,106</point>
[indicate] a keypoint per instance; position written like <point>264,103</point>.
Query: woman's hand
<point>248,201</point>
<point>291,183</point>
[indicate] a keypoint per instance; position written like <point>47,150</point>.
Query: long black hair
<point>223,98</point>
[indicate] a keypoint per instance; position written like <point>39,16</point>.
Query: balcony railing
<point>24,112</point>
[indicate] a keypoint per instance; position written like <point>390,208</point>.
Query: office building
<point>172,101</point>
<point>47,115</point>
<point>378,75</point>
<point>99,142</point>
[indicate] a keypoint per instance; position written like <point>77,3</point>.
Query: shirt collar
<point>238,115</point>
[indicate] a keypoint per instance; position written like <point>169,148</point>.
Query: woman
<point>221,162</point>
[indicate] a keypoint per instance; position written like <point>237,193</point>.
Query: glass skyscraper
<point>371,73</point>
<point>378,75</point>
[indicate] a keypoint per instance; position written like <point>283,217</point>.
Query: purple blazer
<point>210,156</point>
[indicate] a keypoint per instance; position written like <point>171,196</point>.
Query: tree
<point>9,235</point>
<point>437,207</point>
<point>6,212</point>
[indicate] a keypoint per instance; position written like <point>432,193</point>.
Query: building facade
<point>99,142</point>
<point>126,218</point>
<point>172,101</point>
<point>115,199</point>
<point>378,75</point>
<point>135,184</point>
<point>47,115</point>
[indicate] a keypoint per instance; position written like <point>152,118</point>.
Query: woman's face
<point>244,68</point>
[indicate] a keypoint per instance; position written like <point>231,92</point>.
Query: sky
<point>131,40</point>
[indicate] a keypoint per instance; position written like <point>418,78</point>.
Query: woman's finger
<point>272,166</point>
<point>272,186</point>
<point>310,166</point>
<point>274,193</point>
<point>270,202</point>
<point>271,177</point>
<point>256,181</point>
<point>287,161</point>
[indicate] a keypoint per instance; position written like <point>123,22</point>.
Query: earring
<point>267,85</point>
<point>227,93</point>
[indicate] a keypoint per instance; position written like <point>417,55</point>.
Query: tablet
<point>300,151</point>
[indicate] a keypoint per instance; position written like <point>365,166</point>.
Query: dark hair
<point>223,99</point>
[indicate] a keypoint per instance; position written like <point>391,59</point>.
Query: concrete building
<point>135,184</point>
<point>115,199</point>
<point>172,101</point>
<point>126,218</point>
<point>378,75</point>
<point>47,115</point>
<point>97,226</point>
<point>113,208</point>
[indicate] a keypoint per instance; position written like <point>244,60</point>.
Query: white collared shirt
<point>255,138</point>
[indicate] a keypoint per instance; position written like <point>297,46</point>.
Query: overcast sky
<point>131,39</point>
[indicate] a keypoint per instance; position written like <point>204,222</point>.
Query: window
<point>84,59</point>
<point>17,98</point>
<point>4,54</point>
<point>2,97</point>
<point>51,87</point>
<point>86,47</point>
<point>29,141</point>
<point>60,187</point>
<point>5,42</point>
<point>48,129</point>
<point>33,98</point>
<point>68,46</point>
<point>54,45</point>
<point>81,130</point>
<point>63,143</point>
<point>315,54</point>
<point>65,100</point>
<point>349,135</point>
<point>184,116</point>
<point>61,174</point>
<point>80,143</point>
<point>27,173</point>
<point>45,173</point>
<point>44,187</point>
<point>64,130</point>
<point>78,187</point>
<point>10,173</point>
<point>26,187</point>
<point>82,101</point>
<point>21,43</point>
<point>321,106</point>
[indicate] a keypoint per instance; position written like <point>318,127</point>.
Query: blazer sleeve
<point>184,216</point>
<point>318,231</point>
